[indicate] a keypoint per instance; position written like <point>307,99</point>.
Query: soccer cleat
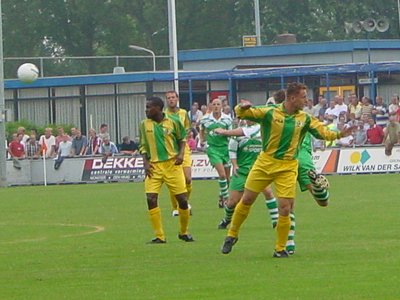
<point>228,244</point>
<point>157,241</point>
<point>223,224</point>
<point>175,213</point>
<point>186,237</point>
<point>280,254</point>
<point>319,179</point>
<point>290,249</point>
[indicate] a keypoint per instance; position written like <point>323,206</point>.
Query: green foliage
<point>344,251</point>
<point>12,127</point>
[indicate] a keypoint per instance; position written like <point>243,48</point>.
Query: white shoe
<point>175,213</point>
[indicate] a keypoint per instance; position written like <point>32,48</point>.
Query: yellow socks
<point>240,214</point>
<point>183,220</point>
<point>282,230</point>
<point>155,219</point>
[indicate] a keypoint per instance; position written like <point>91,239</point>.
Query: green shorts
<point>218,155</point>
<point>305,164</point>
<point>237,182</point>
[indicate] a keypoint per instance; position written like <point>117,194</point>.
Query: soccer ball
<point>27,72</point>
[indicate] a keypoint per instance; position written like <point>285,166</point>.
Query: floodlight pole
<point>146,50</point>
<point>173,44</point>
<point>257,21</point>
<point>3,173</point>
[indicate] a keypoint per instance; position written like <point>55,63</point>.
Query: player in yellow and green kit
<point>283,128</point>
<point>180,115</point>
<point>162,145</point>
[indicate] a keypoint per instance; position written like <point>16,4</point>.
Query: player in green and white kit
<point>217,146</point>
<point>243,151</point>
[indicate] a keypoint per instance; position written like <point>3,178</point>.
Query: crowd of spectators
<point>72,144</point>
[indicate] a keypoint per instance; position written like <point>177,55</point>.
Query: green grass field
<point>89,242</point>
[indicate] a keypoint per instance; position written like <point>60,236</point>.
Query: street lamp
<point>134,47</point>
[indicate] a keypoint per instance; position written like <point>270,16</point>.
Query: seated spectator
<point>360,134</point>
<point>79,144</point>
<point>309,107</point>
<point>93,144</point>
<point>47,143</point>
<point>318,144</point>
<point>374,133</point>
<point>344,141</point>
<point>128,146</point>
<point>16,148</point>
<point>392,135</point>
<point>32,147</point>
<point>107,148</point>
<point>352,122</point>
<point>331,113</point>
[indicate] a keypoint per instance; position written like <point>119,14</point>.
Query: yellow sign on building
<point>249,40</point>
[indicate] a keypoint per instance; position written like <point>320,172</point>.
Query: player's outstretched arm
<point>232,132</point>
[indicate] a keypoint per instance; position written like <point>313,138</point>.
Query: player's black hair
<point>156,101</point>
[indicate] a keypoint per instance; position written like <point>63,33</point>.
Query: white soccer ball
<point>27,73</point>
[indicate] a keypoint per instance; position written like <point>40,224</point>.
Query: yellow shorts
<point>187,157</point>
<point>267,170</point>
<point>170,174</point>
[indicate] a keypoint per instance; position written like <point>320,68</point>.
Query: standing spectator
<point>107,148</point>
<point>374,133</point>
<point>64,150</point>
<point>195,114</point>
<point>331,113</point>
<point>16,148</point>
<point>360,134</point>
<point>392,135</point>
<point>128,146</point>
<point>93,144</point>
<point>366,107</point>
<point>79,144</point>
<point>191,141</point>
<point>316,108</point>
<point>309,107</point>
<point>355,106</point>
<point>340,106</point>
<point>322,110</point>
<point>203,109</point>
<point>73,133</point>
<point>59,137</point>
<point>32,147</point>
<point>394,105</point>
<point>103,131</point>
<point>25,137</point>
<point>379,112</point>
<point>48,142</point>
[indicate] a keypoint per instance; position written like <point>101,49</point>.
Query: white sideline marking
<point>93,229</point>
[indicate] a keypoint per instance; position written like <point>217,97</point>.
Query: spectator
<point>227,110</point>
<point>128,146</point>
<point>379,112</point>
<point>316,108</point>
<point>352,122</point>
<point>16,148</point>
<point>195,114</point>
<point>48,143</point>
<point>392,135</point>
<point>59,137</point>
<point>360,134</point>
<point>93,144</point>
<point>79,144</point>
<point>64,150</point>
<point>73,133</point>
<point>331,113</point>
<point>344,141</point>
<point>203,109</point>
<point>103,131</point>
<point>25,137</point>
<point>355,106</point>
<point>366,107</point>
<point>309,107</point>
<point>374,133</point>
<point>191,141</point>
<point>32,147</point>
<point>394,105</point>
<point>107,148</point>
<point>340,106</point>
<point>322,110</point>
